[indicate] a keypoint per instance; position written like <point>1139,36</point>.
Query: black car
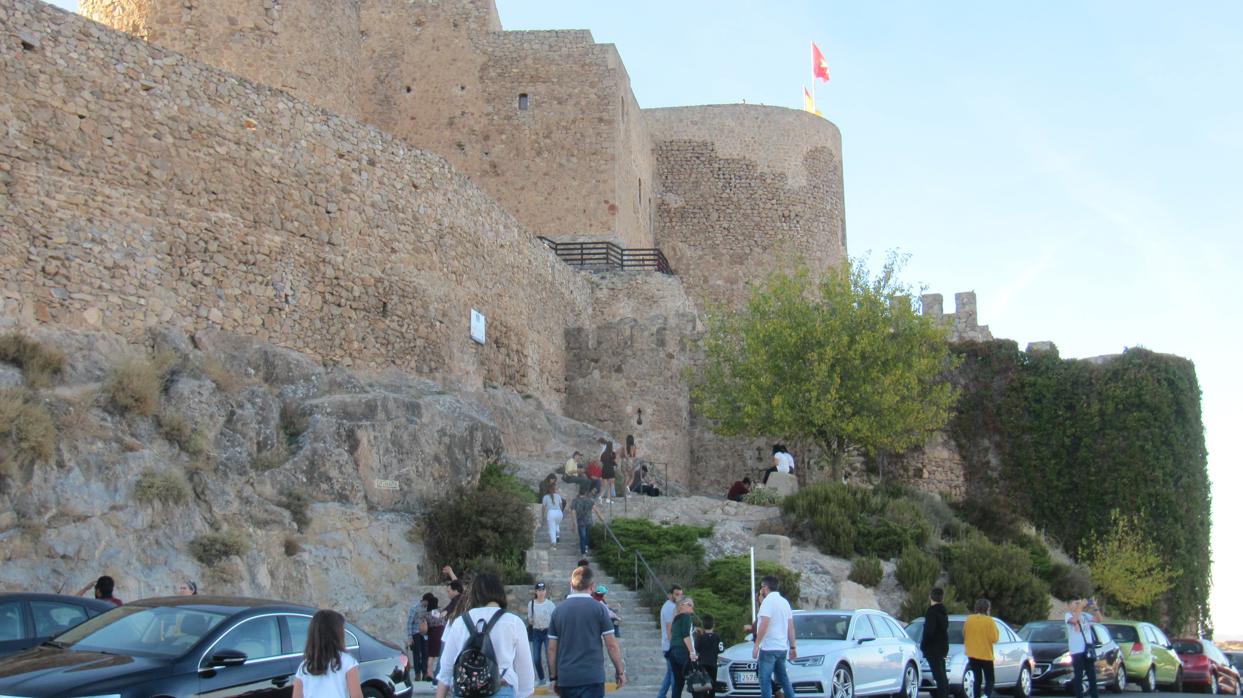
<point>191,646</point>
<point>1051,649</point>
<point>28,619</point>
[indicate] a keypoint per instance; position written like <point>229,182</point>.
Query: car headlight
<point>1064,659</point>
<point>814,660</point>
<point>723,661</point>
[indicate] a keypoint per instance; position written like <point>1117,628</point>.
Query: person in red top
<point>594,473</point>
<point>104,587</point>
<point>739,489</point>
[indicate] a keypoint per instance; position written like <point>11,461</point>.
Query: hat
<point>601,589</point>
<point>541,585</point>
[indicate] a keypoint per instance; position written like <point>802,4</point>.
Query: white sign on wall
<point>478,326</point>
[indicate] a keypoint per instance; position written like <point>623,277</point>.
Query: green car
<point>1147,654</point>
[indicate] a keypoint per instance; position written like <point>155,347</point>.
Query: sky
<point>1077,165</point>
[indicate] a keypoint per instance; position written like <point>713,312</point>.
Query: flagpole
<point>812,49</point>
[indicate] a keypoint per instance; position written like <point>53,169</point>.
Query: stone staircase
<point>640,632</point>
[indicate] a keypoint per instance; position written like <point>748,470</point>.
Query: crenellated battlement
<point>963,322</point>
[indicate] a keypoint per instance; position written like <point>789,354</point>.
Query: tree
<point>843,362</point>
<point>1125,565</point>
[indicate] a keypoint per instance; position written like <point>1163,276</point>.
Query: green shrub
<point>658,544</point>
<point>134,385</point>
<point>27,432</point>
<point>916,603</point>
<point>178,430</point>
<point>763,496</point>
<point>212,548</point>
<point>881,537</point>
<point>1069,581</point>
<point>730,578</point>
<point>165,486</point>
<point>843,520</point>
<point>297,503</point>
<point>468,525</point>
<point>1042,562</point>
<point>510,571</point>
<point>909,516</point>
<point>917,569</point>
<point>833,532</point>
<point>40,363</point>
<point>730,614</point>
<point>1001,573</point>
<point>866,571</point>
<point>497,476</point>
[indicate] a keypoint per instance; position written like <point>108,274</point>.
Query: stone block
<point>851,595</point>
<point>784,483</point>
<point>772,548</point>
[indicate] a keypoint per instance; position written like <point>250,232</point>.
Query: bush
<point>1042,561</point>
<point>730,615</point>
<point>763,496</point>
<point>162,486</point>
<point>1069,581</point>
<point>294,424</point>
<point>510,571</point>
<point>270,459</point>
<point>27,432</point>
<point>178,430</point>
<point>910,518</point>
<point>659,545</point>
<point>40,363</point>
<point>471,524</point>
<point>1001,573</point>
<point>730,578</point>
<point>297,503</point>
<point>212,548</point>
<point>293,546</point>
<point>843,520</point>
<point>917,569</point>
<point>866,571</point>
<point>134,385</point>
<point>496,476</point>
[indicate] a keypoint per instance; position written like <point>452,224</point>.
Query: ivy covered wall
<point>1064,442</point>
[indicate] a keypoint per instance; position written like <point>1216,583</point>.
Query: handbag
<point>698,681</point>
<point>1089,646</point>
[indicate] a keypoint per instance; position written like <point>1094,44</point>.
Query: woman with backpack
<point>327,670</point>
<point>486,652</point>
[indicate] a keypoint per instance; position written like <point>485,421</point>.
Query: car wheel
<point>968,686</point>
<point>373,692</point>
<point>843,682</point>
<point>910,683</point>
<point>1149,683</point>
<point>1212,686</point>
<point>1238,688</point>
<point>1120,680</point>
<point>1178,681</point>
<point>1023,689</point>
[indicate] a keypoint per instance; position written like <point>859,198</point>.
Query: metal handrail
<point>607,254</point>
<point>638,560</point>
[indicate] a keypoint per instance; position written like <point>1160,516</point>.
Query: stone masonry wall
<point>138,186</point>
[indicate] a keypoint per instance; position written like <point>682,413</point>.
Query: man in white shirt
<point>666,622</point>
<point>1082,643</point>
<point>774,638</point>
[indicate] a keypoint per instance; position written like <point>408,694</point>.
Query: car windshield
<point>1044,632</point>
<point>1123,633</point>
<point>142,631</point>
<point>916,631</point>
<point>1187,647</point>
<point>822,626</point>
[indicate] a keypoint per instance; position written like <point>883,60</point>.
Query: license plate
<point>746,677</point>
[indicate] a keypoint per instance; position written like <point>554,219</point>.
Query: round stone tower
<point>310,48</point>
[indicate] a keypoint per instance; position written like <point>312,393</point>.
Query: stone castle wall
<point>745,190</point>
<point>138,186</point>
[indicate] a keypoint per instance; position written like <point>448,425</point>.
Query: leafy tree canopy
<point>1126,567</point>
<point>844,362</point>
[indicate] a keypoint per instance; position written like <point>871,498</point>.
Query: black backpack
<point>475,674</point>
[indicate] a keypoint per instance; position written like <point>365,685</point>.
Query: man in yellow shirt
<point>979,634</point>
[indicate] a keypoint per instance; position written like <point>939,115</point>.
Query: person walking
<point>434,627</point>
<point>584,507</point>
<point>575,650</point>
<point>682,652</point>
<point>1079,635</point>
<point>774,638</point>
<point>327,670</point>
<point>416,630</point>
<point>506,633</point>
<point>979,634</point>
<point>667,613</point>
<point>629,457</point>
<point>608,472</point>
<point>709,646</point>
<point>554,510</point>
<point>539,616</point>
<point>935,642</point>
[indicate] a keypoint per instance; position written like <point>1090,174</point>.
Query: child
<point>327,670</point>
<point>708,646</point>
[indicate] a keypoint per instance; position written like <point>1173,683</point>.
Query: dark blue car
<point>191,646</point>
<point>28,619</point>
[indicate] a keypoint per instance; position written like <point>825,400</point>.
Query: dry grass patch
<point>270,459</point>
<point>134,386</point>
<point>27,432</point>
<point>41,364</point>
<point>213,548</point>
<point>228,381</point>
<point>165,486</point>
<point>178,430</point>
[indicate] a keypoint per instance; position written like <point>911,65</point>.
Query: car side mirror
<point>865,638</point>
<point>225,658</point>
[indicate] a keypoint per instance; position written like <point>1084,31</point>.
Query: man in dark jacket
<point>935,642</point>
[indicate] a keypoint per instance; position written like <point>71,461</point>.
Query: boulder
<point>851,595</point>
<point>785,483</point>
<point>773,548</point>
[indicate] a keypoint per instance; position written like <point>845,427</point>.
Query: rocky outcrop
<point>307,479</point>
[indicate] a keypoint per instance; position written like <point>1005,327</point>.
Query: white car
<point>841,654</point>
<point>1013,663</point>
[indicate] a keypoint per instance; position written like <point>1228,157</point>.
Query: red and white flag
<point>819,66</point>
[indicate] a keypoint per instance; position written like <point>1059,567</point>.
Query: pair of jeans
<point>539,640</point>
<point>591,690</point>
<point>772,664</point>
<point>1083,666</point>
<point>418,652</point>
<point>679,662</point>
<point>667,682</point>
<point>981,671</point>
<point>505,691</point>
<point>937,666</point>
<point>584,538</point>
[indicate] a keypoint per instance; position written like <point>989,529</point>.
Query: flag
<point>809,104</point>
<point>819,66</point>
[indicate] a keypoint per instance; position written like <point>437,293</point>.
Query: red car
<point>1206,667</point>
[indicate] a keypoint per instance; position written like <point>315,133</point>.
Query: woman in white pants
<point>554,511</point>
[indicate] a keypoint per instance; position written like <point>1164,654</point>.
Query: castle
<point>353,178</point>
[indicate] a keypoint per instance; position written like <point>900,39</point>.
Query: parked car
<point>1236,661</point>
<point>1148,654</point>
<point>840,653</point>
<point>191,646</point>
<point>1206,667</point>
<point>1053,664</point>
<point>1013,662</point>
<point>27,619</point>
